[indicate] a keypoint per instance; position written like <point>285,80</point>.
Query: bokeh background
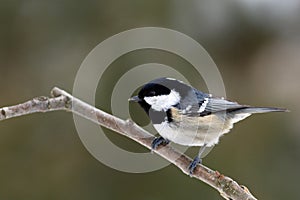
<point>255,44</point>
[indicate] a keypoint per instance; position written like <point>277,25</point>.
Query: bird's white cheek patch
<point>163,102</point>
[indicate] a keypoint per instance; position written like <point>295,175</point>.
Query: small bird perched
<point>189,117</point>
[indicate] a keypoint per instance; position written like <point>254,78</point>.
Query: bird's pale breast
<point>194,131</point>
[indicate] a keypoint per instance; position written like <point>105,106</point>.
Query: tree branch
<point>61,100</point>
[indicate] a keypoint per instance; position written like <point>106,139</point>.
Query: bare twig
<point>61,100</point>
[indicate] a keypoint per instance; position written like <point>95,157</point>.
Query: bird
<point>186,116</point>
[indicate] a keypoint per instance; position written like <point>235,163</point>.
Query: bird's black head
<point>159,94</point>
<point>152,89</point>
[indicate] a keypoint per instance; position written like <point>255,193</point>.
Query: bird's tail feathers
<point>261,110</point>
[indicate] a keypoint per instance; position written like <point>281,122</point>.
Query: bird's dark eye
<point>151,94</point>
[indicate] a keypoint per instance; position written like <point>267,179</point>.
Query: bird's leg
<point>196,160</point>
<point>158,141</point>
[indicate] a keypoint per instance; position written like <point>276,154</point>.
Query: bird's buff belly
<point>205,130</point>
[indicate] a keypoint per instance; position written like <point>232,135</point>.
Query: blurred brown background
<point>255,44</point>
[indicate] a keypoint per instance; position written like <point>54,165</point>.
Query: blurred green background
<point>255,44</point>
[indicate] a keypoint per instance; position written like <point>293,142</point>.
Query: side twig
<point>61,100</point>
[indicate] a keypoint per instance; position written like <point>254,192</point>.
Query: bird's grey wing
<point>214,105</point>
<point>204,104</point>
<point>219,105</point>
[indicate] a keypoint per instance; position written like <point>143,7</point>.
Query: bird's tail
<point>261,110</point>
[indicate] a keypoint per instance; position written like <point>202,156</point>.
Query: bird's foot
<point>197,160</point>
<point>159,141</point>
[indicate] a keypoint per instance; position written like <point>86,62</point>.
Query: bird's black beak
<point>134,99</point>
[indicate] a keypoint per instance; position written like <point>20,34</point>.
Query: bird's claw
<point>197,160</point>
<point>159,141</point>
